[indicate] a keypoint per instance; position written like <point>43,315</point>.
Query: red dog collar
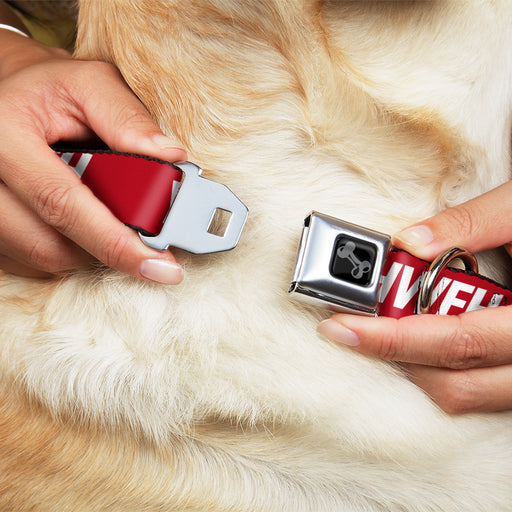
<point>355,270</point>
<point>406,280</point>
<point>140,192</point>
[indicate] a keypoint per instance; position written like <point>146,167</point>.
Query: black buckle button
<point>353,260</point>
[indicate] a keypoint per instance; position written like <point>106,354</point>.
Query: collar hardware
<point>188,222</point>
<point>170,205</point>
<point>339,265</point>
<point>351,269</point>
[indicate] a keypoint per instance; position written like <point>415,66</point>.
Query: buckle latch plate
<point>187,224</point>
<point>339,265</point>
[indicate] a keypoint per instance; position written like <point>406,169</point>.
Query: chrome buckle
<point>192,211</point>
<point>339,265</point>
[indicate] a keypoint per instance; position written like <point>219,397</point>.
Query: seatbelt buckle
<point>192,212</point>
<point>339,265</point>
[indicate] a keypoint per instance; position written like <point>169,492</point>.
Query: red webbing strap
<point>454,292</point>
<point>137,189</point>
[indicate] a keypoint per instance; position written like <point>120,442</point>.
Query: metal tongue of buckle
<point>188,222</point>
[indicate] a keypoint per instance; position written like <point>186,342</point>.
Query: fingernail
<point>161,271</point>
<point>338,333</point>
<point>164,142</point>
<point>416,236</point>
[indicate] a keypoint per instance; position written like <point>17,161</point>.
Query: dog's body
<point>217,394</point>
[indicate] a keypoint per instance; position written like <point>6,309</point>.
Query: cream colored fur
<point>217,394</point>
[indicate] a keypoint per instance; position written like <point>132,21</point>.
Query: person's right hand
<point>50,221</point>
<point>463,362</point>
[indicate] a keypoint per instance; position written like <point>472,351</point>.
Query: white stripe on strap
<point>13,29</point>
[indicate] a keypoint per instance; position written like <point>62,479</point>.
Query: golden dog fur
<point>217,394</point>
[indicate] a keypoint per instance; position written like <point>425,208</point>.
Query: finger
<point>479,224</point>
<point>27,240</point>
<point>10,266</point>
<point>117,116</point>
<point>69,105</point>
<point>474,339</point>
<point>60,200</point>
<point>463,391</point>
<point>45,184</point>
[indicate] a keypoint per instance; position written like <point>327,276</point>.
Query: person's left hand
<point>463,362</point>
<point>51,222</point>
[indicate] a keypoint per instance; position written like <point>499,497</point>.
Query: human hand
<point>463,362</point>
<point>51,222</point>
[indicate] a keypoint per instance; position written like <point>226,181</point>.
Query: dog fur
<point>217,394</point>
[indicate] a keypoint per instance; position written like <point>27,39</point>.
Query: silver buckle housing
<point>187,223</point>
<point>339,265</point>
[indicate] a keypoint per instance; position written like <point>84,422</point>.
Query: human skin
<point>463,362</point>
<point>51,223</point>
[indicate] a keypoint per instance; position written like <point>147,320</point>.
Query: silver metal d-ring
<point>437,266</point>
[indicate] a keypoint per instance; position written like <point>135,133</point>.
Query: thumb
<point>479,224</point>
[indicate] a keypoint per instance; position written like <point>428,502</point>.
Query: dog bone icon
<point>346,252</point>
